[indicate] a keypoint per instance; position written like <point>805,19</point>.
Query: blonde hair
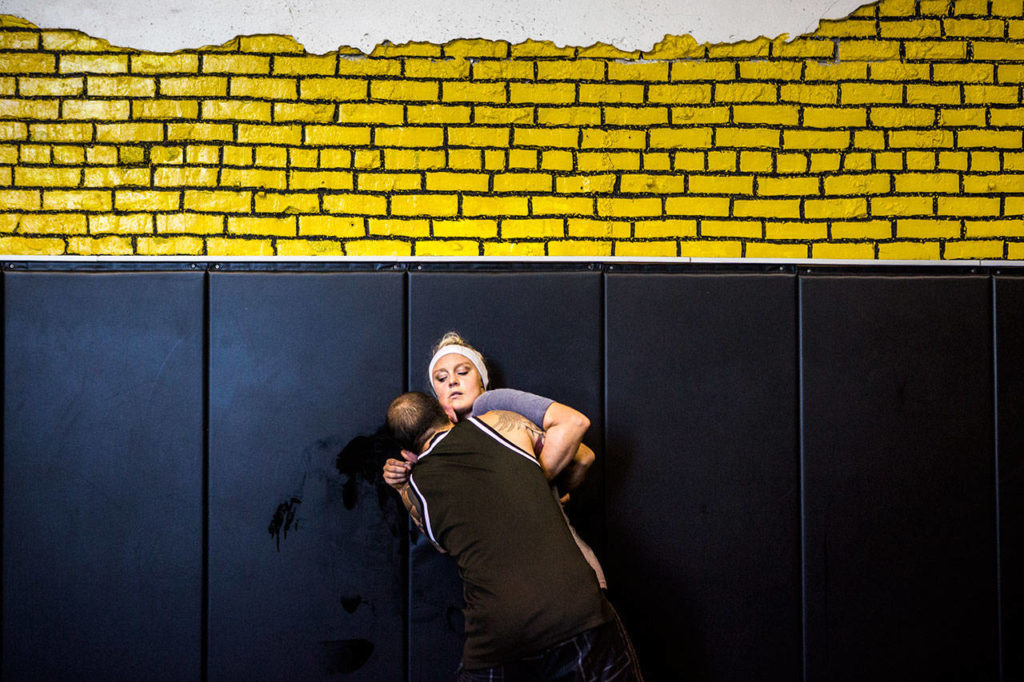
<point>453,338</point>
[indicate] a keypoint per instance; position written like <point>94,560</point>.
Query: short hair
<point>411,416</point>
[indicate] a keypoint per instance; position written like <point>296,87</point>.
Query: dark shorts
<point>601,654</point>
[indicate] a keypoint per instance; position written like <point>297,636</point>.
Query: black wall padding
<point>306,559</point>
<point>540,333</point>
<point>702,478</point>
<point>899,472</point>
<point>102,494</point>
<point>1009,296</point>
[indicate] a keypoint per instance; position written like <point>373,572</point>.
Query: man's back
<point>488,503</point>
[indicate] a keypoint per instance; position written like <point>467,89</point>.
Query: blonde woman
<point>459,379</point>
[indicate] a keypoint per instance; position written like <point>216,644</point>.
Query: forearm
<point>409,500</point>
<point>576,470</point>
<point>563,428</point>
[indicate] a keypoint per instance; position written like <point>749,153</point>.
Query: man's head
<point>413,417</point>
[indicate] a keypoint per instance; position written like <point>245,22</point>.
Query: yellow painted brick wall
<point>895,133</point>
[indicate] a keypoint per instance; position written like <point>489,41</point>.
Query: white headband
<point>468,353</point>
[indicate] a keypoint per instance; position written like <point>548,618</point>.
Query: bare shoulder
<point>515,427</point>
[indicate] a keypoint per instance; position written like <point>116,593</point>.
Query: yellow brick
<point>235,110</point>
<point>993,228</point>
<point>834,117</point>
<point>629,208</point>
<point>404,91</point>
<point>120,86</point>
<point>771,71</point>
<point>746,92</point>
<point>168,246</point>
<point>987,184</point>
<point>360,66</point>
<point>869,50</point>
<point>102,246</point>
<point>795,230</point>
<point>964,73</point>
<point>927,183</point>
<point>643,71</point>
<point>164,63</point>
<point>434,247</point>
<point>477,229</point>
<point>445,69</point>
<point>476,48</point>
<point>909,251</point>
<point>546,137</point>
<point>409,137</point>
<point>29,109</point>
<point>378,247</point>
<point>51,87</point>
<point>562,70</point>
<point>697,206</point>
<point>984,161</point>
<point>751,229</point>
<point>31,246</point>
<point>47,177</point>
<point>457,182</point>
<point>835,208</point>
<point>68,155</point>
<point>1005,73</point>
<point>902,117</point>
<point>843,251</point>
<point>535,48</point>
<point>13,130</point>
<point>399,228</point>
<point>82,63</point>
<point>809,94</point>
<point>614,139</point>
<point>559,160</point>
<point>608,161</point>
<point>772,250</point>
<point>388,182</point>
<point>562,206</point>
<point>165,109</point>
<point>414,159</point>
<point>1006,8</point>
<point>1015,251</point>
<point>411,49</point>
<point>870,93</point>
<point>56,223</point>
<point>503,115</point>
<point>676,47</point>
<point>804,48</point>
<point>899,71</point>
<point>221,246</point>
<point>816,139</point>
<point>1014,206</point>
<point>657,161</point>
<point>766,114</point>
<point>626,116</point>
<point>101,155</point>
<point>792,163</point>
<point>96,109</point>
<point>264,134</point>
<point>632,94</point>
<point>746,137</point>
<point>27,63</point>
<point>991,94</point>
<point>286,203</point>
<point>755,162</point>
<point>711,249</point>
<point>477,136</point>
<point>355,204</point>
<point>974,28</point>
<point>74,41</point>
<point>198,86</point>
<point>248,177</point>
<point>585,184</point>
<point>607,229</point>
<point>228,63</point>
<point>981,249</point>
<point>759,47</point>
<point>302,158</point>
<point>901,139</point>
<point>339,89</point>
<point>307,65</point>
<point>473,92</point>
<point>860,184</point>
<point>901,206</point>
<point>869,229</point>
<point>678,94</point>
<point>203,201</point>
<point>521,182</point>
<point>276,227</point>
<point>703,71</point>
<point>766,208</point>
<point>768,186</point>
<point>346,136</point>
<point>83,200</point>
<point>187,223</point>
<point>264,88</point>
<point>543,93</point>
<point>935,51</point>
<point>953,160</point>
<point>19,40</point>
<point>503,70</point>
<point>425,204</point>
<point>532,228</point>
<point>522,158</point>
<point>660,229</point>
<point>921,160</point>
<point>116,177</point>
<point>680,138</point>
<point>917,28</point>
<point>997,52</point>
<point>268,43</point>
<point>650,184</point>
<point>970,7</point>
<point>331,226</point>
<point>647,249</point>
<point>968,206</point>
<point>433,113</point>
<point>579,247</point>
<point>308,180</point>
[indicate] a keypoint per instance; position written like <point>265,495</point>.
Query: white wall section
<point>324,25</point>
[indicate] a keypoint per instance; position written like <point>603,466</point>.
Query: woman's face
<point>457,383</point>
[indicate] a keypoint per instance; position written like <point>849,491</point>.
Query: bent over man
<point>534,609</point>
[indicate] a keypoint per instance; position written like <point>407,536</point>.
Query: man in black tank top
<point>534,609</point>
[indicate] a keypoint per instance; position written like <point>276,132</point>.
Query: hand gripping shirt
<point>525,583</point>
